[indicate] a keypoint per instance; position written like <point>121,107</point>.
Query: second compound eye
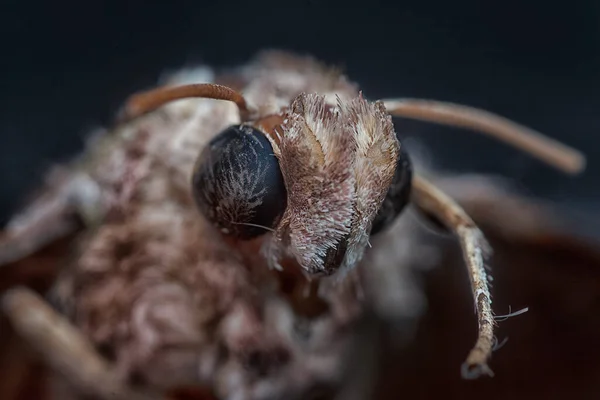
<point>398,194</point>
<point>237,183</point>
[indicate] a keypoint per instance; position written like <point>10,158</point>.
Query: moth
<point>226,234</point>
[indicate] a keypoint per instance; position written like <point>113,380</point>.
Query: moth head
<point>346,178</point>
<point>320,182</point>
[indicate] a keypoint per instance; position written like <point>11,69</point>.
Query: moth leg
<point>541,146</point>
<point>63,347</point>
<point>430,199</point>
<point>56,213</point>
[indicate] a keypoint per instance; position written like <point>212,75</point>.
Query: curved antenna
<point>549,150</point>
<point>145,102</point>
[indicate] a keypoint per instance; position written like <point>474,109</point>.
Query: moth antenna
<point>537,144</point>
<point>63,347</point>
<point>433,201</point>
<point>144,102</point>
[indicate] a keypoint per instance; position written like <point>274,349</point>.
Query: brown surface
<point>552,351</point>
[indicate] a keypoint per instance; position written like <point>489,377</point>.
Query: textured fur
<point>160,293</point>
<point>338,162</point>
<point>170,302</point>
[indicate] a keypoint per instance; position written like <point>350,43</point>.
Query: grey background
<point>67,67</point>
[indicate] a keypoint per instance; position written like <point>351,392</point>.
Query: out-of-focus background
<point>66,67</point>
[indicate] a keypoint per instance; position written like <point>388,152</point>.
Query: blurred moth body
<point>205,225</point>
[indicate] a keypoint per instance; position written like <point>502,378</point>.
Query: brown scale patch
<point>271,126</point>
<point>301,294</point>
<point>291,282</point>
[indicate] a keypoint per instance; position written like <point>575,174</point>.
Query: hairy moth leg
<point>434,202</point>
<point>56,213</point>
<point>63,347</point>
<point>38,226</point>
<point>549,150</point>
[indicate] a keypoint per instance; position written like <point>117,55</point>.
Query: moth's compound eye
<point>398,194</point>
<point>237,183</point>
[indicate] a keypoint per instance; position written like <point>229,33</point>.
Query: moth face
<point>332,176</point>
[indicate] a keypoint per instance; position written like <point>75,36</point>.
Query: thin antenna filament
<point>145,102</point>
<point>535,143</point>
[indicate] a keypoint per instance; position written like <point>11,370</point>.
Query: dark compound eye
<point>397,196</point>
<point>237,183</point>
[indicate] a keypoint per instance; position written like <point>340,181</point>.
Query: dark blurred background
<point>67,66</point>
